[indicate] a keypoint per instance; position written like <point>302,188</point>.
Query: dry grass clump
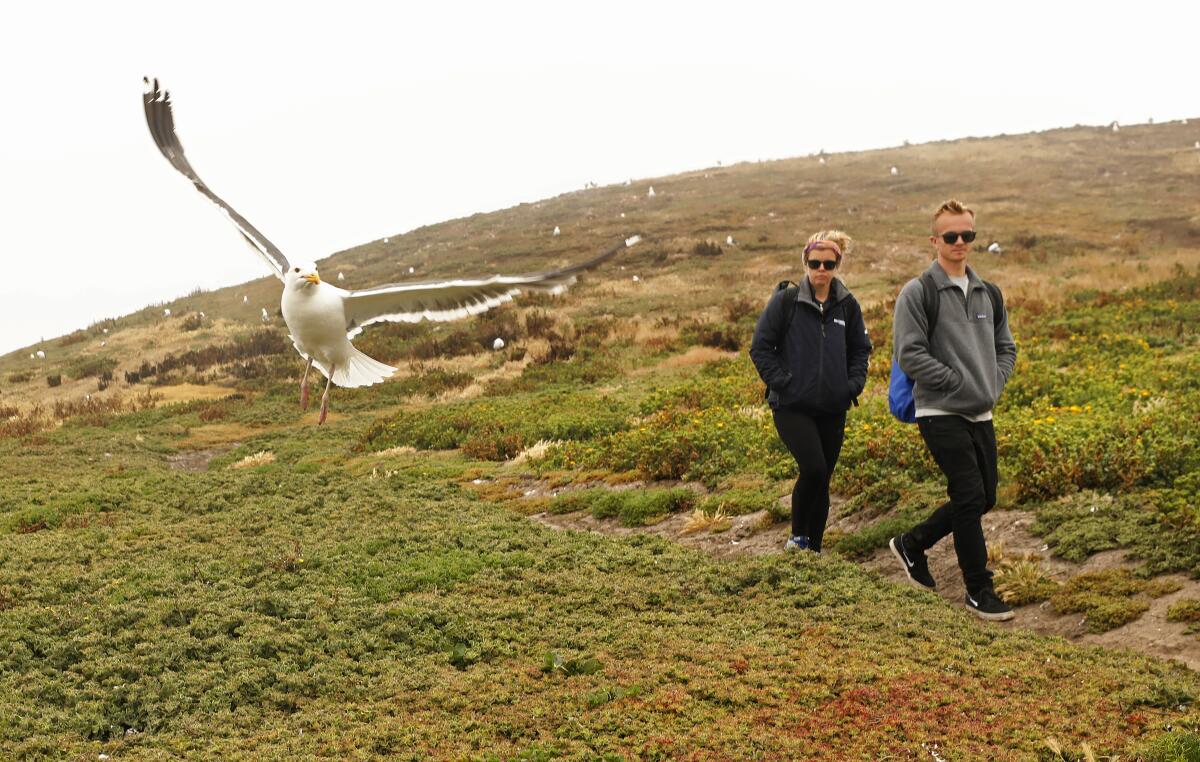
<point>534,452</point>
<point>695,356</point>
<point>257,459</point>
<point>18,424</point>
<point>700,520</point>
<point>1022,581</point>
<point>401,450</point>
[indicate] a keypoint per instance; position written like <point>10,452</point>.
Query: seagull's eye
<point>296,270</point>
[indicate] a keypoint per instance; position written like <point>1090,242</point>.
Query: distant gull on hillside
<point>411,269</point>
<point>1116,127</point>
<point>104,330</point>
<point>498,343</point>
<point>556,231</point>
<point>651,193</point>
<point>166,313</point>
<point>1198,144</point>
<point>729,241</point>
<point>104,343</point>
<point>41,355</point>
<point>322,318</point>
<point>821,160</point>
<point>265,315</point>
<point>385,240</point>
<point>341,277</point>
<point>245,300</point>
<point>895,171</point>
<point>995,248</point>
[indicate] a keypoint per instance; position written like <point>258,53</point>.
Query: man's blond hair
<point>840,239</point>
<point>952,206</point>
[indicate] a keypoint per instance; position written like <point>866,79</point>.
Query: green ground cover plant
<point>224,611</point>
<point>1108,598</point>
<point>497,428</point>
<point>633,507</point>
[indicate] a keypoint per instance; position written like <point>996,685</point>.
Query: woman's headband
<point>823,244</point>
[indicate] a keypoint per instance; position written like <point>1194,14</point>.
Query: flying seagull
<point>322,318</point>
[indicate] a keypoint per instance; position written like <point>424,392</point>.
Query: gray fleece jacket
<point>972,353</point>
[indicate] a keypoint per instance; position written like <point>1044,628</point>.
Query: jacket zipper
<point>821,352</point>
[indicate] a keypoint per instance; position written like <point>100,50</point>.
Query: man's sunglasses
<point>817,264</point>
<point>951,237</point>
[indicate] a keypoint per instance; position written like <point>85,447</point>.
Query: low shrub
<point>632,507</point>
<point>718,335</point>
<point>1184,610</point>
<point>92,365</point>
<point>261,343</point>
<point>191,322</point>
<point>1108,598</point>
<point>497,428</point>
<point>538,323</point>
<point>739,502</point>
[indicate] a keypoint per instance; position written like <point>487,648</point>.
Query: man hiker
<point>958,366</point>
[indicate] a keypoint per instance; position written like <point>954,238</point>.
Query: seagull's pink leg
<point>325,397</point>
<point>304,386</point>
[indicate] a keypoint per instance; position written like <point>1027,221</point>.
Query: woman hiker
<point>811,349</point>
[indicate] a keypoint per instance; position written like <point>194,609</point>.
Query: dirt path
<point>1150,634</point>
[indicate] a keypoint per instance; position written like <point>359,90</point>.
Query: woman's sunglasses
<point>952,237</point>
<point>817,264</point>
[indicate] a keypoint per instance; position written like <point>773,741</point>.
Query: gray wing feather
<point>454,299</point>
<point>161,122</point>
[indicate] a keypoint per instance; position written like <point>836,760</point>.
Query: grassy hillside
<point>190,568</point>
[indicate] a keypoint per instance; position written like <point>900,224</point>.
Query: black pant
<point>966,453</point>
<point>815,442</point>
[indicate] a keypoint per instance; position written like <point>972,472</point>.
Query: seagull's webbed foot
<point>304,386</point>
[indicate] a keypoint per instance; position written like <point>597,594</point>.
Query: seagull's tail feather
<point>361,370</point>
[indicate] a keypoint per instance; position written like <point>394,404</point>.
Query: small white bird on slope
<point>323,318</point>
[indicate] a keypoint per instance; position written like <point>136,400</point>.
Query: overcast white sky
<point>329,125</point>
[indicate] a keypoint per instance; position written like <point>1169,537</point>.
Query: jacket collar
<point>837,292</point>
<point>943,280</point>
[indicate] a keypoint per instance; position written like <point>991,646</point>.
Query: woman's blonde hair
<point>839,238</point>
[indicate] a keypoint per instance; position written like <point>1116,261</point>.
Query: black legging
<point>815,441</point>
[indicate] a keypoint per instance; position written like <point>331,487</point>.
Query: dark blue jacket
<point>822,366</point>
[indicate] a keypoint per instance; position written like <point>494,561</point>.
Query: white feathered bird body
<point>316,318</point>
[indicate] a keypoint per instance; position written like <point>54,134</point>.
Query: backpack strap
<point>997,299</point>
<point>929,298</point>
<point>789,305</point>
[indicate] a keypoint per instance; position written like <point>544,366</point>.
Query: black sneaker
<point>987,605</point>
<point>914,562</point>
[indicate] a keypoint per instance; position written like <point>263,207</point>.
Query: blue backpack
<point>900,386</point>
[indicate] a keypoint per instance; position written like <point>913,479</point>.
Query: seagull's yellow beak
<point>312,278</point>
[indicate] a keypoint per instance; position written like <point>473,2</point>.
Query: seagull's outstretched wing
<point>162,128</point>
<point>453,299</point>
